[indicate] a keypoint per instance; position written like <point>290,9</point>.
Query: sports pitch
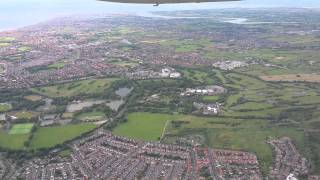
<point>21,128</point>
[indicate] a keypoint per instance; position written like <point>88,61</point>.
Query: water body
<point>19,13</point>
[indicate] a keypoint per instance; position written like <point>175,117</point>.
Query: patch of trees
<point>178,124</point>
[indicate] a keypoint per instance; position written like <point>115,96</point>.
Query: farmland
<point>293,78</point>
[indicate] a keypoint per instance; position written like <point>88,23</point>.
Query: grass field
<point>293,78</point>
<point>7,39</point>
<point>184,46</point>
<point>21,128</point>
<point>13,141</point>
<point>33,98</point>
<point>210,98</point>
<point>25,114</point>
<point>143,126</point>
<point>4,107</point>
<point>252,106</point>
<point>76,88</point>
<point>91,116</point>
<point>46,137</point>
<point>24,49</point>
<point>57,65</point>
<point>4,44</point>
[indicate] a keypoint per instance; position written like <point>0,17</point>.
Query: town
<point>105,156</point>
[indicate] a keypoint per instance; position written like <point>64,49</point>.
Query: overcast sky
<point>19,13</point>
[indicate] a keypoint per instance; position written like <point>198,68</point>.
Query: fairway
<point>47,137</point>
<point>143,126</point>
<point>21,128</point>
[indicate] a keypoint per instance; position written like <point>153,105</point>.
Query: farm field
<point>47,137</point>
<point>143,126</point>
<point>21,128</point>
<point>293,78</point>
<point>75,88</point>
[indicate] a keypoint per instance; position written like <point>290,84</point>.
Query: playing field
<point>143,126</point>
<point>47,137</point>
<point>21,128</point>
<point>13,141</point>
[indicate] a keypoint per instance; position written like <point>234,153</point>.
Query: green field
<point>47,137</point>
<point>75,88</point>
<point>143,126</point>
<point>210,98</point>
<point>21,128</point>
<point>57,65</point>
<point>91,116</point>
<point>252,106</point>
<point>13,141</point>
<point>7,39</point>
<point>24,49</point>
<point>187,45</point>
<point>25,114</point>
<point>33,98</point>
<point>4,44</point>
<point>4,107</point>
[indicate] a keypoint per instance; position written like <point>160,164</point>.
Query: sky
<point>19,13</point>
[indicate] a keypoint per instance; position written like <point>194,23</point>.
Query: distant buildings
<point>229,65</point>
<point>143,73</point>
<point>204,91</point>
<point>207,109</point>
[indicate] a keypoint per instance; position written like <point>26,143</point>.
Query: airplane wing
<point>164,1</point>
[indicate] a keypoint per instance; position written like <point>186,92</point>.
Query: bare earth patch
<point>293,78</point>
